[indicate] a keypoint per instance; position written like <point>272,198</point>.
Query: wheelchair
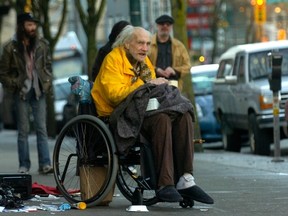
<point>86,143</point>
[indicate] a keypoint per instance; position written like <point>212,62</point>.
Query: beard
<point>164,34</point>
<point>30,34</point>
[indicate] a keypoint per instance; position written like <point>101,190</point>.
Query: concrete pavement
<point>240,183</point>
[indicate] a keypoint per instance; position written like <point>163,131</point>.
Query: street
<point>240,183</point>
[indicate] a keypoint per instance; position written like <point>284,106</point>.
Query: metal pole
<point>135,12</point>
<point>277,151</point>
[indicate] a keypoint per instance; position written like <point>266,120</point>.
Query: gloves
<point>81,88</point>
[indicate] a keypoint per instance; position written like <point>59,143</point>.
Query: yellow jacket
<point>114,81</point>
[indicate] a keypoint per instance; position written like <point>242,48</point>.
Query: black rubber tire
<point>231,138</point>
<point>259,139</point>
<point>71,156</point>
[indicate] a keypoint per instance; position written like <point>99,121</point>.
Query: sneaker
<point>133,169</point>
<point>169,194</point>
<point>46,169</point>
<point>185,181</point>
<point>23,170</point>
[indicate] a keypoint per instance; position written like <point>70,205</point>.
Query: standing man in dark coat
<point>168,55</point>
<point>25,71</point>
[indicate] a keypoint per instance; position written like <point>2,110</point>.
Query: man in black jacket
<point>25,71</point>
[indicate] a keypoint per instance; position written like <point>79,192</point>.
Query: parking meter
<point>275,75</point>
<point>275,63</point>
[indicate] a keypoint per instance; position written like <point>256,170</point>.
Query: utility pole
<point>135,12</point>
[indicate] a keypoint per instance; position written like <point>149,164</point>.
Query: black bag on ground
<point>8,199</point>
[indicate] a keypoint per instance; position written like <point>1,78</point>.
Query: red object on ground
<point>44,189</point>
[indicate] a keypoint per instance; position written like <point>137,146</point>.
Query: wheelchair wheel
<point>129,178</point>
<point>84,160</point>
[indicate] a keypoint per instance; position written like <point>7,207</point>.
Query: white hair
<point>126,35</point>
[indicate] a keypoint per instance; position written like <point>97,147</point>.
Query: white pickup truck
<point>242,96</point>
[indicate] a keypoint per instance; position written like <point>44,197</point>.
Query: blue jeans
<point>39,116</point>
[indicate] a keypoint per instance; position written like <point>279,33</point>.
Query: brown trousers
<point>171,137</point>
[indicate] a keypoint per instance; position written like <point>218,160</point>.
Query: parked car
<point>65,103</point>
<point>62,97</point>
<point>202,79</point>
<point>242,97</point>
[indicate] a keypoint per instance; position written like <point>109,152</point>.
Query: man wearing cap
<point>26,73</point>
<point>168,55</point>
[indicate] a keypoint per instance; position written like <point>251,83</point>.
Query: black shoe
<point>169,194</point>
<point>197,194</point>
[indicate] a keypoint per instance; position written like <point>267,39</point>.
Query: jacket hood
<point>117,28</point>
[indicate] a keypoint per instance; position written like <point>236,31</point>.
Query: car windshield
<point>203,82</point>
<point>259,64</point>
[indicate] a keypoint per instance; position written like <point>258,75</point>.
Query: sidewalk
<point>240,183</point>
<point>243,184</point>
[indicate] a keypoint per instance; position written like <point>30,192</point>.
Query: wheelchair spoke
<point>84,160</point>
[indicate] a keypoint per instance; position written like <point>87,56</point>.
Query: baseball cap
<point>26,17</point>
<point>164,19</point>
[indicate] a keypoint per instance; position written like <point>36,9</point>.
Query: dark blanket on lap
<point>127,118</point>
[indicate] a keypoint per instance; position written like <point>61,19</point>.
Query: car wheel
<point>259,139</point>
<point>230,138</point>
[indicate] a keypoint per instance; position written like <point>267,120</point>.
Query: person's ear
<point>127,45</point>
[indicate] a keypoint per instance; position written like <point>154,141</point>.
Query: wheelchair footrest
<point>137,202</point>
<point>137,198</point>
<point>137,208</point>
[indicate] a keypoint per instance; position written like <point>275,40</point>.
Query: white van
<point>242,96</point>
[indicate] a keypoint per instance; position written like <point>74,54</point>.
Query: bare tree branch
<point>90,20</point>
<point>41,11</point>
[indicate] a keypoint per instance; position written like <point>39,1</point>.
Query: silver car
<point>242,97</point>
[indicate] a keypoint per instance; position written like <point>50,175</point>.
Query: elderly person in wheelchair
<point>127,91</point>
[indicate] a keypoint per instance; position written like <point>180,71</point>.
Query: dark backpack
<point>8,199</point>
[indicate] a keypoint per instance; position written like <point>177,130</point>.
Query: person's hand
<point>158,81</point>
<point>161,73</point>
<point>169,71</point>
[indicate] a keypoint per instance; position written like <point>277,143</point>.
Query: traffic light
<point>201,58</point>
<point>28,6</point>
<point>281,34</point>
<point>259,2</point>
<point>260,11</point>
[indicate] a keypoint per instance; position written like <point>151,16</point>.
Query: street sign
<point>260,11</point>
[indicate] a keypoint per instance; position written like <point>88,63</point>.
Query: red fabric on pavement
<point>44,189</point>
